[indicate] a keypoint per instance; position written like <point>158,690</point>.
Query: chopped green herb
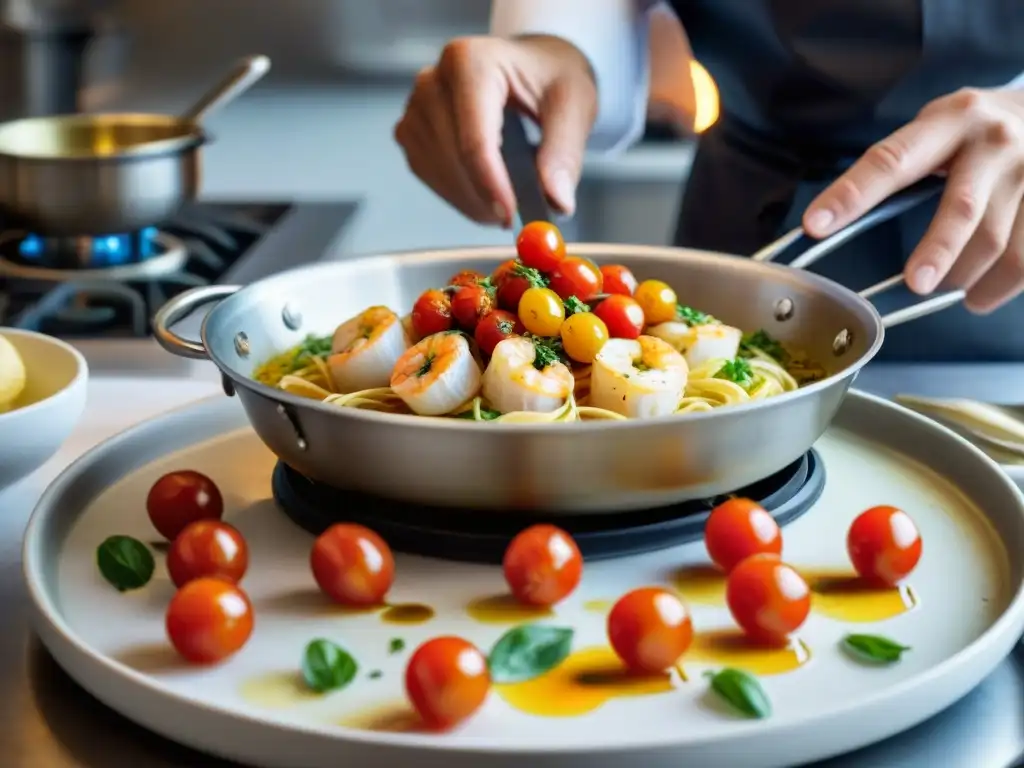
<point>574,306</point>
<point>312,346</point>
<point>546,352</point>
<point>376,674</point>
<point>397,645</point>
<point>874,648</point>
<point>486,414</point>
<point>428,361</point>
<point>528,651</point>
<point>531,275</point>
<point>641,367</point>
<point>487,284</point>
<point>739,372</point>
<point>742,691</point>
<point>692,316</point>
<point>761,341</point>
<point>125,562</point>
<point>327,667</point>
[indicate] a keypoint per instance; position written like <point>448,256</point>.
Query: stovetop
<point>101,293</point>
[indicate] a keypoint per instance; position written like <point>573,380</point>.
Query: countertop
<point>46,721</point>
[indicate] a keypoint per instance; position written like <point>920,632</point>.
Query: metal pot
<point>568,468</point>
<point>102,174</point>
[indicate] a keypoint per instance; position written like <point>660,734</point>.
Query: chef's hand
<point>451,129</point>
<point>976,240</point>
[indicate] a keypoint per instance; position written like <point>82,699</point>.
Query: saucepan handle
<point>896,205</point>
<point>180,307</point>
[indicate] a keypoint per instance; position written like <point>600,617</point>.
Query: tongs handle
<point>896,205</point>
<point>520,158</point>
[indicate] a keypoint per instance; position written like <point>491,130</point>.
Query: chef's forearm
<point>613,35</point>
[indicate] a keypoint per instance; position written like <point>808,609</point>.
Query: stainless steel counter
<point>46,721</point>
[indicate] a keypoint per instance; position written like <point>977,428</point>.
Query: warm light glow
<point>705,94</point>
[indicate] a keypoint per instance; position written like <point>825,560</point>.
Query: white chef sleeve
<point>612,34</point>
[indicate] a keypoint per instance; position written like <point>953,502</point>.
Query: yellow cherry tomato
<point>583,335</point>
<point>541,311</point>
<point>658,301</point>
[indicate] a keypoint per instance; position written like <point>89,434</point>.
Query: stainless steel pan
<point>569,468</point>
<point>108,173</point>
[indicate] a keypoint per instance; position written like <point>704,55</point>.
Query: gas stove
<point>100,293</point>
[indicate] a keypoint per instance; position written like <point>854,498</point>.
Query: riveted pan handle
<point>180,307</point>
<point>895,206</point>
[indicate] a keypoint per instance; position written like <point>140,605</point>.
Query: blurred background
<point>319,127</point>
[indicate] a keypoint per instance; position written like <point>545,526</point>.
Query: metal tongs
<point>520,158</point>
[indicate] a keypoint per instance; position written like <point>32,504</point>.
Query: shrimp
<point>711,342</point>
<point>437,375</point>
<point>675,332</point>
<point>365,350</point>
<point>638,378</point>
<point>512,382</point>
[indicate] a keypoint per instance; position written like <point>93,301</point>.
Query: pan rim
<point>499,253</point>
<point>192,135</point>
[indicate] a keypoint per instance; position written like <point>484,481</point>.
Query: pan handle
<point>896,205</point>
<point>180,307</point>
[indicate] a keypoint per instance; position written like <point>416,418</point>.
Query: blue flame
<point>106,251</point>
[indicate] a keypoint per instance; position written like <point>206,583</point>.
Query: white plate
<point>969,613</point>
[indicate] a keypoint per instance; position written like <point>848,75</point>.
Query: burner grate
<point>475,537</point>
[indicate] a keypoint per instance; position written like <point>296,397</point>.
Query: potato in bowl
<point>42,397</point>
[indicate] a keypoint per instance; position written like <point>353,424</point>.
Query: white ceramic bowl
<point>49,408</point>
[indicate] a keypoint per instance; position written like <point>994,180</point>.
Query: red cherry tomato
<point>618,280</point>
<point>466,277</point>
<point>207,548</point>
<point>767,598</point>
<point>739,528</point>
<point>884,545</point>
<point>650,629</point>
<point>577,277</point>
<point>511,280</point>
<point>208,620</point>
<point>469,304</point>
<point>180,498</point>
<point>446,681</point>
<point>622,315</point>
<point>540,246</point>
<point>352,565</point>
<point>495,328</point>
<point>432,313</point>
<point>542,565</point>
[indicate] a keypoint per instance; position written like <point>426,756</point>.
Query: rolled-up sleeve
<point>612,34</point>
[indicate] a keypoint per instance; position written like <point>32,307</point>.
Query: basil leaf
<point>125,562</point>
<point>874,648</point>
<point>527,652</point>
<point>742,691</point>
<point>327,667</point>
<point>397,645</point>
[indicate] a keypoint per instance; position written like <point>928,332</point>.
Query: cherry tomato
<point>618,280</point>
<point>180,498</point>
<point>540,246</point>
<point>767,598</point>
<point>352,565</point>
<point>466,277</point>
<point>622,316</point>
<point>583,335</point>
<point>432,313</point>
<point>207,548</point>
<point>541,311</point>
<point>739,528</point>
<point>650,629</point>
<point>495,328</point>
<point>512,280</point>
<point>446,681</point>
<point>576,277</point>
<point>884,545</point>
<point>208,620</point>
<point>657,300</point>
<point>542,565</point>
<point>470,303</point>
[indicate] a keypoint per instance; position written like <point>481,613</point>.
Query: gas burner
<point>146,255</point>
<point>472,537</point>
